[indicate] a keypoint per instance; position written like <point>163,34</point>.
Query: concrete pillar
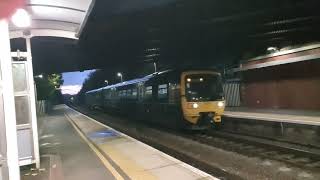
<point>6,84</point>
<point>33,104</point>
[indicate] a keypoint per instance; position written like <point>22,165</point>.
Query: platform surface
<point>90,150</point>
<point>278,115</point>
<point>64,154</point>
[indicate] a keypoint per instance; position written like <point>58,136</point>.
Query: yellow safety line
<point>101,157</point>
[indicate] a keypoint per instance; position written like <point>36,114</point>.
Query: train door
<point>147,102</point>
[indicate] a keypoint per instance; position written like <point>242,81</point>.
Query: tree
<point>48,87</point>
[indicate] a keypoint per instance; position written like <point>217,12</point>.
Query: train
<point>187,99</point>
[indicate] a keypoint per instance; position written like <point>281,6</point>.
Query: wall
<point>290,86</point>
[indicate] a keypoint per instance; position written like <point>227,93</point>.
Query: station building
<point>284,79</point>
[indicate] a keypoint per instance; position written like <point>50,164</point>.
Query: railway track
<point>169,150</point>
<point>255,147</point>
<point>248,146</point>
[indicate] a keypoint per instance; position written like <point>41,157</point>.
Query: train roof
<point>94,90</point>
<point>143,79</point>
<point>133,81</point>
<point>124,83</point>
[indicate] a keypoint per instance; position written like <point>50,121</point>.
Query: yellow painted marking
<point>101,157</point>
<point>132,169</point>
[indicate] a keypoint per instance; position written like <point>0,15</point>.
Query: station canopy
<point>108,33</point>
<point>56,18</point>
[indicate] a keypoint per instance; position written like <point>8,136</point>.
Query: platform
<point>83,148</point>
<point>277,115</point>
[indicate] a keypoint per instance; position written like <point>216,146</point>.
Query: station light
<point>201,79</point>
<point>272,49</point>
<point>39,76</point>
<point>120,75</point>
<point>21,18</point>
<point>189,80</point>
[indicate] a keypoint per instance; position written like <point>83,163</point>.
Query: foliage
<point>95,80</point>
<point>48,87</point>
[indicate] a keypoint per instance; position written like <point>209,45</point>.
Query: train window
<point>117,93</point>
<point>148,92</point>
<point>122,93</point>
<point>107,94</point>
<point>141,92</point>
<point>174,92</point>
<point>162,91</point>
<point>129,93</point>
<point>97,95</point>
<point>134,93</point>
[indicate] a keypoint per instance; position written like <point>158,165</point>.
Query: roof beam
<point>43,32</point>
<point>85,20</point>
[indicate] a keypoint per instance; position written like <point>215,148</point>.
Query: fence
<point>43,107</point>
<point>232,93</point>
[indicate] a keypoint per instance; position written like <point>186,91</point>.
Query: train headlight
<point>195,105</point>
<point>221,104</point>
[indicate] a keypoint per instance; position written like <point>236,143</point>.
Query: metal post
<point>33,104</point>
<point>9,105</point>
<point>155,66</point>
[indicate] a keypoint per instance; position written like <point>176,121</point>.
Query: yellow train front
<point>202,99</point>
<point>191,99</point>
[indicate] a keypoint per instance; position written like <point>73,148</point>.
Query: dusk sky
<point>73,81</point>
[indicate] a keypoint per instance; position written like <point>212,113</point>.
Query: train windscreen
<point>203,87</point>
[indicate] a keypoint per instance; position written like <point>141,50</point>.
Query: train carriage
<point>175,98</point>
<point>94,99</point>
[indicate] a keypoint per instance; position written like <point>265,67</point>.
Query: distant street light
<point>119,75</point>
<point>39,76</point>
<point>21,18</point>
<point>106,81</point>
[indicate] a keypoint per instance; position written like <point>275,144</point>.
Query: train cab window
<point>203,87</point>
<point>162,91</point>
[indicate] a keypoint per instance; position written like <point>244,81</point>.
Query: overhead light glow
<point>152,55</point>
<point>39,76</point>
<point>119,74</point>
<point>189,80</point>
<point>21,18</point>
<point>272,49</point>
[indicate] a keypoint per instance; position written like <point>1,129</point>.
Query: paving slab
<point>64,154</point>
